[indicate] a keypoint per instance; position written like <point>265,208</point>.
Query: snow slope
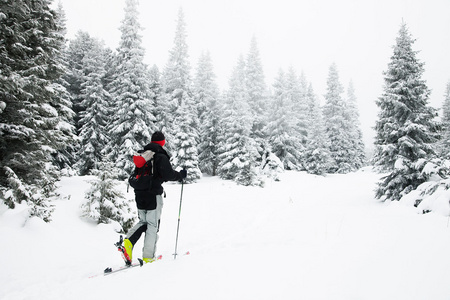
<point>306,237</point>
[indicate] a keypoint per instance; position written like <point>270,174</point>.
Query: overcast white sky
<point>310,35</point>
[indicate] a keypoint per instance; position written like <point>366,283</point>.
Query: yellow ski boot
<point>128,246</point>
<point>148,260</point>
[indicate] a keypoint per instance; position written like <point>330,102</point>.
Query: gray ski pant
<point>148,223</point>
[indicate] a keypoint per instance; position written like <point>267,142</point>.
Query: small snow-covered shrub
<point>104,202</point>
<point>434,193</point>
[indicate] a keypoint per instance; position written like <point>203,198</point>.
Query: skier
<point>150,205</point>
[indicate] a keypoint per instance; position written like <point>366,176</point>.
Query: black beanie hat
<point>158,136</point>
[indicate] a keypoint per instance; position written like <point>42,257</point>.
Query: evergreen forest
<point>77,107</point>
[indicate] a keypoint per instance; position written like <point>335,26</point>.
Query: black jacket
<point>162,172</point>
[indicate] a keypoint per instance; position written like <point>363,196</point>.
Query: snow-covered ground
<point>306,237</point>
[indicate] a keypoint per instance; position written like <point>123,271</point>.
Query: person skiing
<point>150,204</point>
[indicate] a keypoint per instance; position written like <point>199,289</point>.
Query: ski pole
<point>179,215</point>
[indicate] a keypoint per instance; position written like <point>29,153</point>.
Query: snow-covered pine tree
<point>316,157</point>
<point>31,69</point>
<point>257,96</point>
<point>185,153</point>
<point>357,150</point>
<point>56,113</point>
<point>176,78</point>
<point>134,120</point>
<point>181,113</point>
<point>281,126</point>
<point>104,203</point>
<point>444,145</point>
<point>256,91</point>
<point>406,127</point>
<point>157,98</point>
<point>256,87</point>
<point>205,87</point>
<point>14,131</point>
<point>93,120</point>
<point>238,151</point>
<point>63,133</point>
<point>176,75</point>
<point>74,76</point>
<point>207,98</point>
<point>298,89</point>
<point>337,125</point>
<point>65,156</point>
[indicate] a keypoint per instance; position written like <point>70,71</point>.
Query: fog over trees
<point>75,106</point>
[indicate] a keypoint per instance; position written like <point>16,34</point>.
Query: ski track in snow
<point>306,237</point>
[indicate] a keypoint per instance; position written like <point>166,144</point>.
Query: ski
<point>113,270</point>
<point>128,263</point>
<point>140,263</point>
<point>109,271</point>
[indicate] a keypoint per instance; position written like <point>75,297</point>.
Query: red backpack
<point>141,179</point>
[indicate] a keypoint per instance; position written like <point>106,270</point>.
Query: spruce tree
<point>298,89</point>
<point>356,136</point>
<point>66,148</point>
<point>156,93</point>
<point>316,157</point>
<point>133,122</point>
<point>256,91</point>
<point>181,113</point>
<point>406,127</point>
<point>176,75</point>
<point>185,153</point>
<point>256,95</point>
<point>337,124</point>
<point>33,103</point>
<point>281,128</point>
<point>238,151</point>
<point>74,76</point>
<point>93,120</point>
<point>207,99</point>
<point>176,78</point>
<point>15,132</point>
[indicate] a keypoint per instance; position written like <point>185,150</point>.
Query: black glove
<point>183,173</point>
